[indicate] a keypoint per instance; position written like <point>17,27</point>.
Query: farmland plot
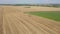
<point>21,23</point>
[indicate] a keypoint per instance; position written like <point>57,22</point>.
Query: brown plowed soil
<point>15,22</point>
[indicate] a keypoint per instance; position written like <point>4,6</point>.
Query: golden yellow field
<point>15,21</point>
<point>33,8</point>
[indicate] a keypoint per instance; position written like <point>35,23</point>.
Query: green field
<point>47,14</point>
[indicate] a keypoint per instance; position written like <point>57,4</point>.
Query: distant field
<point>32,8</point>
<point>55,15</point>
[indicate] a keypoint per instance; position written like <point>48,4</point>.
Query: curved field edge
<point>54,15</point>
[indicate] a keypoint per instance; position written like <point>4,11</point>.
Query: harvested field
<point>17,22</point>
<point>1,20</point>
<point>32,8</point>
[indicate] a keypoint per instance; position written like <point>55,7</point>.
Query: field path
<point>15,22</point>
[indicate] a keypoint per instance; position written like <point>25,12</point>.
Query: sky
<point>29,1</point>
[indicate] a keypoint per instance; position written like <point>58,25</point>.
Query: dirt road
<point>20,23</point>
